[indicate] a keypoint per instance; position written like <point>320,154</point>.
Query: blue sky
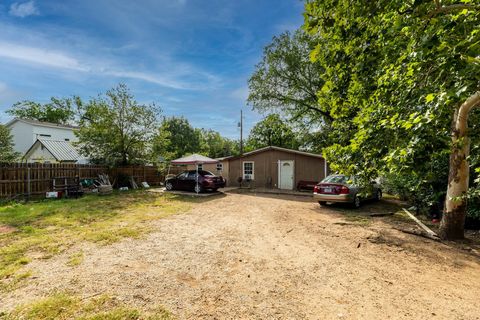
<point>191,57</point>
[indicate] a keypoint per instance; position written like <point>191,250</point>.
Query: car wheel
<point>378,195</point>
<point>322,203</point>
<point>356,202</point>
<point>198,188</point>
<point>169,186</point>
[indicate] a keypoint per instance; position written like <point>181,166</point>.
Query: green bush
<point>423,194</point>
<point>473,211</point>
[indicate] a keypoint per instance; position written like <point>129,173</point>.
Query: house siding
<point>40,155</point>
<point>306,167</point>
<point>25,134</point>
<point>212,167</point>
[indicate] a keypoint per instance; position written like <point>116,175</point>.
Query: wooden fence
<point>30,179</point>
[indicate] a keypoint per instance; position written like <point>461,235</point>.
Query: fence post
<point>29,189</point>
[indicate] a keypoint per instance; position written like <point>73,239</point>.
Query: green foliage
<point>7,154</point>
<point>394,73</point>
<point>60,111</point>
<point>272,131</point>
<point>116,130</point>
<point>473,211</point>
<point>287,80</point>
<point>213,145</point>
<point>175,138</point>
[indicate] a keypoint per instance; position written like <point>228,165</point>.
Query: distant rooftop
<point>41,123</point>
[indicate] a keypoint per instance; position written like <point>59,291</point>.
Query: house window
<point>45,135</point>
<point>248,170</point>
<point>67,139</point>
<point>200,166</point>
<point>219,166</point>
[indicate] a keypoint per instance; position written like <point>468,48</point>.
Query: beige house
<point>277,168</point>
<point>270,167</point>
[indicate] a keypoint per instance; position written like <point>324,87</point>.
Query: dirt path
<point>247,257</point>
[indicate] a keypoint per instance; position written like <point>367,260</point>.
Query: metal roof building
<point>44,150</point>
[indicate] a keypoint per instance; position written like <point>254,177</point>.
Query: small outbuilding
<point>275,167</point>
<point>52,151</point>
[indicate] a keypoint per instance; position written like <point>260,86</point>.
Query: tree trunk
<point>453,221</point>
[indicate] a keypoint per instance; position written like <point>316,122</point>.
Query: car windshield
<point>336,179</point>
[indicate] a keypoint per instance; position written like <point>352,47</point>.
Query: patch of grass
<point>64,306</point>
<point>358,219</point>
<point>75,259</point>
<point>46,228</point>
<point>388,196</point>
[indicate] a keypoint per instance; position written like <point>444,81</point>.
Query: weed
<point>65,306</point>
<point>358,218</point>
<point>75,259</point>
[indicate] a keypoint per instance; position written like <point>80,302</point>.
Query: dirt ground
<point>242,256</point>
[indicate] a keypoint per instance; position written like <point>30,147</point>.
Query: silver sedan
<point>341,188</point>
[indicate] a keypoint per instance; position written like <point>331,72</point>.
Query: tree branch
<point>452,7</point>
<point>457,6</point>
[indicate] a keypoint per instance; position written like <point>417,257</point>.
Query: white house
<point>44,141</point>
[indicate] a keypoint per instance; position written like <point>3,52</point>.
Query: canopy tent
<point>195,159</point>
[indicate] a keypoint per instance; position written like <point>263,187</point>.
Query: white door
<point>285,174</point>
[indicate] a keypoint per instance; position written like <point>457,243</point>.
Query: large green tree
<point>7,153</point>
<point>60,111</point>
<point>115,129</point>
<point>213,145</point>
<point>287,81</point>
<point>176,138</point>
<point>407,73</point>
<point>272,131</point>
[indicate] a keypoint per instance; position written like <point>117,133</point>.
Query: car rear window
<point>205,173</point>
<point>336,179</point>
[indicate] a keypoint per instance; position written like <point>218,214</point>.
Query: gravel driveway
<point>242,256</point>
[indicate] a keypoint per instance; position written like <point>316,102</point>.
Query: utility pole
<point>241,131</point>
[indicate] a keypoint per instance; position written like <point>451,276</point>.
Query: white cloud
<point>180,77</point>
<point>39,56</point>
<point>24,9</point>
<point>165,82</point>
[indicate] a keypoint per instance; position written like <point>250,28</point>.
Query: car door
<point>180,181</point>
<point>191,181</point>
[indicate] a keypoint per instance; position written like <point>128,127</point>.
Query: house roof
<point>194,159</point>
<point>308,154</point>
<point>60,150</point>
<point>41,123</point>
